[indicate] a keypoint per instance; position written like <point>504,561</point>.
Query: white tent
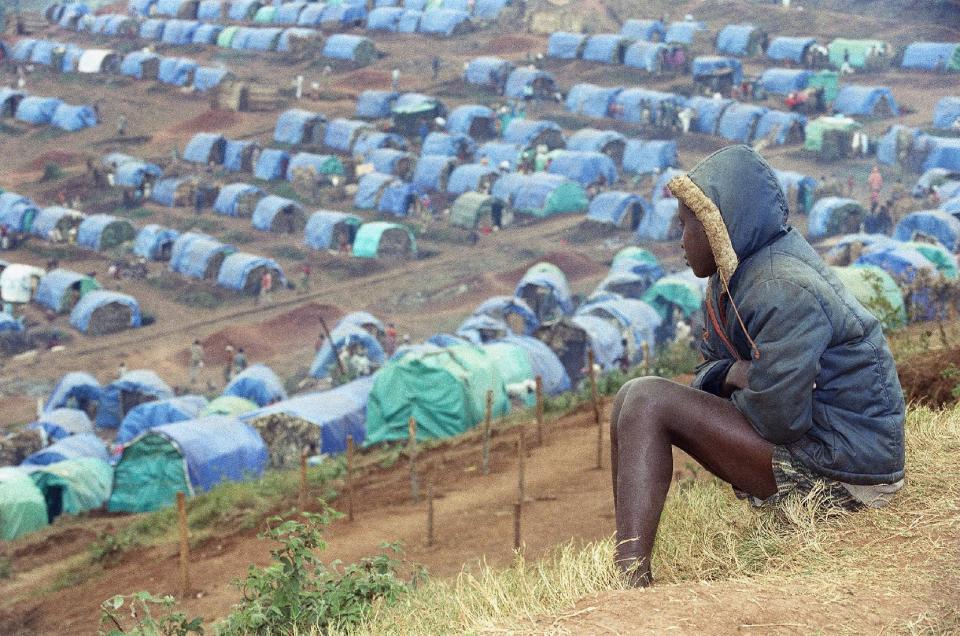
<point>17,282</point>
<point>92,60</point>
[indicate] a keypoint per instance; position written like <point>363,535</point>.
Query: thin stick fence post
<point>521,486</point>
<point>539,411</point>
<point>349,477</point>
<point>412,450</point>
<point>517,513</point>
<point>596,408</point>
<point>646,357</point>
<point>430,515</point>
<point>302,499</point>
<point>184,545</point>
<point>486,434</point>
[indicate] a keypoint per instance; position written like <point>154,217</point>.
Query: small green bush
<point>51,172</point>
<point>290,252</point>
<point>172,624</point>
<point>202,299</point>
<point>239,237</point>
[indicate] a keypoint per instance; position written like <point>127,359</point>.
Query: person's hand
<point>737,377</point>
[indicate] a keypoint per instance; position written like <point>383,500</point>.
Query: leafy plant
<point>6,568</point>
<point>51,172</point>
<point>144,622</point>
<point>108,548</point>
<point>289,251</point>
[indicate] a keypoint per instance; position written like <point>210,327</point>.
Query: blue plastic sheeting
<point>374,104</point>
<point>384,19</point>
<point>660,190</point>
<point>862,100</point>
<point>93,300</point>
<point>472,326</point>
<point>308,160</point>
<point>47,218</point>
<point>343,46</point>
<point>339,412</point>
<point>202,146</point>
<point>140,7</point>
<point>343,15</point>
<point>319,231</point>
<point>18,215</point>
<point>344,335</point>
<point>71,13</point>
<point>903,264</point>
<point>709,112</point>
<point>946,112</point>
<point>489,72</point>
<point>176,71</point>
<point>233,153</point>
<point>496,153</point>
<point>443,21</point>
<point>9,323</point>
<point>71,58</point>
<point>226,202</point>
<point>210,11</point>
<point>267,208</point>
<point>74,386</point>
<point>641,156</point>
<point>709,64</point>
<point>37,110</point>
<point>549,279</point>
<point>53,286</point>
<point>236,267</point>
<point>448,145</point>
<point>520,78</point>
<point>592,100</point>
<point>610,207</point>
<point>734,39</point>
<point>436,342</point>
<point>783,121</point>
<point>500,307</point>
<point>565,46</point>
<point>242,10</point>
<point>367,142</point>
<point>288,12</point>
<point>170,7</point>
<point>91,230</point>
<point>143,417</point>
<point>822,213</point>
<point>650,30</point>
<point>132,64</point>
<point>283,45</point>
<point>659,223</point>
<point>604,47</point>
<point>782,81</point>
<point>682,32</point>
<point>61,423</point>
<point>929,56</point>
<point>489,9</point>
<point>384,160</point>
<point>139,381</point>
<point>71,447</point>
<point>133,174</point>
<point>789,179</point>
<point>362,319</point>
<point>941,152</point>
<point>397,198</point>
<point>152,29</point>
<point>461,119</point>
<point>272,164</point>
<point>416,101</point>
<point>23,49</point>
<point>42,52</point>
<point>193,251</point>
<point>410,21</point>
<point>937,224</point>
<point>257,383</point>
<point>370,188</point>
<point>340,133</point>
<point>634,315</point>
<point>789,49</point>
<point>585,168</point>
<point>466,177</point>
<point>208,77</point>
<point>151,239</point>
<point>952,206</point>
<point>430,170</point>
<point>311,14</point>
<point>263,39</point>
<point>739,122</point>
<point>522,132</point>
<point>7,94</point>
<point>11,200</point>
<point>216,449</point>
<point>179,32</point>
<point>605,340</point>
<point>593,140</point>
<point>632,102</point>
<point>647,56</point>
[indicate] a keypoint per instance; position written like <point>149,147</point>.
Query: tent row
<point>501,76</point>
<point>46,111</point>
<point>917,150</point>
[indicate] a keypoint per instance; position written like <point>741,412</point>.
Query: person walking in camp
<point>198,199</point>
<point>266,286</point>
<point>121,369</point>
<point>305,271</point>
<point>122,125</point>
<point>196,362</point>
<point>228,366</point>
<point>875,181</point>
<point>239,362</point>
<point>390,339</point>
<point>395,80</point>
<point>798,395</point>
<point>435,67</point>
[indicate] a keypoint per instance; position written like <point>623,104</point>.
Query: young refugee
<point>798,390</point>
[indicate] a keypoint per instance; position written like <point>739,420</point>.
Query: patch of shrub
<point>202,299</point>
<point>170,624</point>
<point>238,237</point>
<point>51,172</point>
<point>290,252</point>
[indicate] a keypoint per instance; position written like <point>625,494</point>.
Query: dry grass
<point>706,534</point>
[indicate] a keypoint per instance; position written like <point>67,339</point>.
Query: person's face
<point>696,247</point>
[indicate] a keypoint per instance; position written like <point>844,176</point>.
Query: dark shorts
<point>793,478</point>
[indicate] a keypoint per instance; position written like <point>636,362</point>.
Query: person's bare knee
<point>643,403</point>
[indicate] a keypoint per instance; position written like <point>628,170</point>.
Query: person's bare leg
<point>651,415</point>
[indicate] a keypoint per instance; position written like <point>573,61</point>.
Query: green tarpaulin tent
<point>444,391</point>
<point>945,263</point>
<point>22,507</point>
<point>670,292</point>
<point>229,405</point>
<point>74,486</point>
<point>829,81</point>
<point>383,239</point>
<point>152,471</point>
<point>817,127</point>
<point>859,50</point>
<point>265,15</point>
<point>876,291</point>
<point>633,253</point>
<point>225,39</point>
<point>472,208</point>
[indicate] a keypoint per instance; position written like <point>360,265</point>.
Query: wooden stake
<point>539,411</point>
<point>521,464</point>
<point>430,515</point>
<point>349,477</point>
<point>517,512</point>
<point>646,357</point>
<point>184,545</point>
<point>302,504</point>
<point>596,408</point>
<point>412,451</point>
<point>486,434</point>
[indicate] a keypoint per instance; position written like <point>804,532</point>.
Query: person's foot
<point>635,570</point>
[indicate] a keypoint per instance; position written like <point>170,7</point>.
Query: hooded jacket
<point>822,381</point>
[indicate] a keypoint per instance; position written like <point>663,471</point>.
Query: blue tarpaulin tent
<point>48,218</point>
<point>204,148</point>
<point>384,19</point>
<point>172,8</point>
<point>565,46</point>
<point>550,279</point>
<point>739,122</point>
<point>709,112</point>
<point>153,241</point>
<point>311,14</point>
<point>489,9</point>
<point>363,319</point>
<point>594,140</point>
<point>294,33</point>
<point>659,224</point>
<point>288,12</point>
<point>42,52</point>
<point>737,39</point>
<point>936,224</point>
<point>375,104</point>
<point>177,71</point>
<point>707,65</point>
<point>179,32</point>
<point>605,47</point>
<point>647,56</point>
<point>345,335</point>
<point>22,50</point>
<point>616,208</point>
<point>789,49</point>
<point>388,160</point>
<point>445,22</point>
<point>344,15</point>
<point>540,194</point>
<point>603,338</point>
<point>193,254</point>
<point>229,195</point>
<point>805,188</point>
<point>209,77</point>
<point>633,101</point>
<point>144,385</point>
<point>642,156</point>
<point>410,21</point>
<point>237,154</point>
<point>341,133</point>
<point>946,112</point>
<point>269,207</point>
<point>903,264</point>
<point>449,145</point>
<point>929,56</point>
<point>864,100</point>
<point>132,64</point>
<point>512,311</point>
<point>262,39</point>
<point>468,177</point>
<point>660,190</point>
<point>74,389</point>
<point>133,174</point>
<point>432,172</point>
<point>488,72</point>
<point>242,272</point>
<point>321,164</point>
<point>271,164</point>
<point>70,447</point>
<point>243,10</point>
<point>542,83</point>
<point>683,32</point>
<point>650,30</point>
<point>210,10</point>
<point>789,126</point>
<point>91,231</point>
<point>591,100</point>
<point>525,132</point>
<point>942,152</point>
<point>296,126</point>
<point>369,141</point>
<point>343,46</point>
<point>476,327</point>
<point>633,316</point>
<point>498,152</point>
<point>830,216</point>
<point>152,29</point>
<point>145,416</point>
<point>339,412</point>
<point>54,285</point>
<point>319,233</point>
<point>60,423</point>
<point>370,189</point>
<point>397,198</point>
<point>472,119</point>
<point>257,383</point>
<point>585,168</point>
<point>83,314</point>
<point>37,110</point>
<point>782,81</point>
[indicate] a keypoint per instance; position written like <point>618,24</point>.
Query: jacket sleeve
<point>712,372</point>
<point>791,331</point>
